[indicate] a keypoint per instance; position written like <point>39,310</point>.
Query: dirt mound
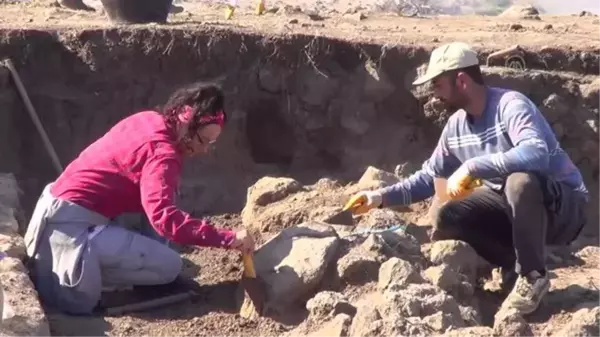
<point>521,12</point>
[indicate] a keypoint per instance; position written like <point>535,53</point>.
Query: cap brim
<point>426,78</point>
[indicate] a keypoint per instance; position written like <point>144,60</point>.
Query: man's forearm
<point>529,156</point>
<point>415,188</point>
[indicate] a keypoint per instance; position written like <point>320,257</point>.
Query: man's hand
<point>461,184</point>
<point>243,242</point>
<point>363,202</point>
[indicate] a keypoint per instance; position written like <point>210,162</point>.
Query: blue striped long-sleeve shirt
<point>511,136</point>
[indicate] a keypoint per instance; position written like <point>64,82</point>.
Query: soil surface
<point>330,19</point>
<point>217,272</point>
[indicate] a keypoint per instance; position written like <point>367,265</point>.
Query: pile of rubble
<point>382,276</point>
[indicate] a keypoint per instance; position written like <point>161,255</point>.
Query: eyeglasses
<point>204,141</point>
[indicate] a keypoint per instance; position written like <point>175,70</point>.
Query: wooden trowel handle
<point>248,266</point>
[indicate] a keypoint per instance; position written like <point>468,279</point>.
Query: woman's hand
<point>243,242</point>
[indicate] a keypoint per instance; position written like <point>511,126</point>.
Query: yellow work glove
<point>363,202</point>
<point>461,184</point>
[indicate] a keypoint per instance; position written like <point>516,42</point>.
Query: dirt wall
<point>301,106</point>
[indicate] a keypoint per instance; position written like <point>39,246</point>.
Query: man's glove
<point>461,184</point>
<point>364,201</point>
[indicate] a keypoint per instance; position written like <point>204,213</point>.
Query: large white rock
<point>293,263</point>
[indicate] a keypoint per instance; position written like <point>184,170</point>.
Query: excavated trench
<point>301,106</point>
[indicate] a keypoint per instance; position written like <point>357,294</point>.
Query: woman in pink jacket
<point>75,245</point>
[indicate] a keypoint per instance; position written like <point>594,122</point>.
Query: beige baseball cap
<point>450,56</point>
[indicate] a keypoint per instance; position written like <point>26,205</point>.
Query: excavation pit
<point>304,104</point>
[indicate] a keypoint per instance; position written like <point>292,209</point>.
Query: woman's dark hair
<point>205,99</point>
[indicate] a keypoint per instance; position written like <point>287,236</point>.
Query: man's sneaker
<point>527,292</point>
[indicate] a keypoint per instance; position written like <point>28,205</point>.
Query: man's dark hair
<point>474,73</point>
<point>205,99</point>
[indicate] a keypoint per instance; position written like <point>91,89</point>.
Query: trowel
<point>254,292</point>
<point>346,216</point>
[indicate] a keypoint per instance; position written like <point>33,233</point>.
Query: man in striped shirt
<point>533,193</point>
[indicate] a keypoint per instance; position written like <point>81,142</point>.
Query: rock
<point>418,300</point>
<point>459,256</point>
<point>358,16</point>
<point>440,321</point>
<point>23,313</point>
<point>337,327</point>
<point>476,331</point>
<point>590,254</point>
<point>516,27</point>
<point>520,11</point>
<point>402,242</point>
<point>584,322</point>
<point>374,244</point>
<point>371,179</point>
<point>268,190</point>
<point>293,263</point>
<point>365,316</point>
<point>380,218</point>
<point>590,92</point>
<point>397,274</point>
<point>288,9</point>
<point>449,280</point>
<point>368,322</point>
<point>593,124</point>
<point>13,245</point>
<point>555,107</point>
<point>373,174</point>
<point>510,323</point>
<point>328,304</point>
<point>315,16</point>
<point>12,264</point>
<point>586,13</point>
<point>359,266</point>
<point>470,315</point>
<point>396,325</point>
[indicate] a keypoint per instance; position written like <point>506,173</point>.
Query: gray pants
<point>511,228</point>
<point>76,252</point>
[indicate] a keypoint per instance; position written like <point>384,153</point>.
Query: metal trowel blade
<point>343,218</point>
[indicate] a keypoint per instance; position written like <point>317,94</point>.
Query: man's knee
<point>445,223</point>
<point>520,185</point>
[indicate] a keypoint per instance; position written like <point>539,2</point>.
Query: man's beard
<point>449,106</point>
<point>459,102</point>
